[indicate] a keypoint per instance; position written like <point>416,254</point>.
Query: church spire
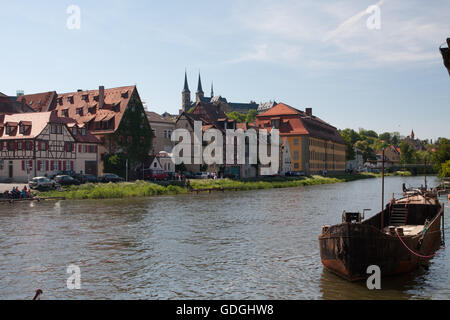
<point>199,87</point>
<point>186,86</point>
<point>212,90</point>
<point>199,94</point>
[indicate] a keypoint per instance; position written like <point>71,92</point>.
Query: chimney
<point>101,97</point>
<point>308,112</point>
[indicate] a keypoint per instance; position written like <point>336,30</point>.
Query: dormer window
<point>83,131</point>
<point>85,97</point>
<point>80,111</point>
<point>96,97</point>
<point>124,94</point>
<point>59,100</point>
<point>65,112</point>
<point>75,131</point>
<point>92,110</point>
<point>70,99</point>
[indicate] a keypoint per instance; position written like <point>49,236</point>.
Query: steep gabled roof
<point>115,103</point>
<point>39,102</point>
<point>38,120</point>
<point>281,109</point>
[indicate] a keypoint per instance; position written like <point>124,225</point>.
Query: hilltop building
<point>225,106</point>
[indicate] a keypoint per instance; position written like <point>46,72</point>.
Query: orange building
<point>315,145</point>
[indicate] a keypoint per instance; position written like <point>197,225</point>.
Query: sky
<point>357,64</point>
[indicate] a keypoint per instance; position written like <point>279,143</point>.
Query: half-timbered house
<point>40,144</point>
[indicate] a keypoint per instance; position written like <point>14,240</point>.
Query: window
<point>53,129</point>
<point>21,129</point>
<point>19,145</point>
<point>80,111</point>
<point>83,131</point>
<point>59,129</point>
<point>296,166</point>
<point>65,112</point>
<point>154,165</point>
<point>74,131</point>
<point>10,145</point>
<point>295,142</point>
<point>296,155</point>
<point>8,130</point>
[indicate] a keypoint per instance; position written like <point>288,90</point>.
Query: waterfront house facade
<point>162,129</point>
<point>115,116</point>
<point>41,144</point>
<point>315,146</point>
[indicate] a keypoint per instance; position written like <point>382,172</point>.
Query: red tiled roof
<point>296,122</point>
<point>39,102</point>
<point>155,117</point>
<point>281,109</point>
<point>115,102</point>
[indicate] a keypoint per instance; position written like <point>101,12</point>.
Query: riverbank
<point>146,189</point>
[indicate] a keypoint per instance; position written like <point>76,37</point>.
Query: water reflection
<point>243,245</point>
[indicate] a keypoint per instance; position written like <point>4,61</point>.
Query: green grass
<point>146,189</point>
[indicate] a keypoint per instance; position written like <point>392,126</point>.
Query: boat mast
<point>425,171</point>
<point>382,191</point>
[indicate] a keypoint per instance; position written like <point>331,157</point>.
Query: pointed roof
<point>186,86</point>
<point>212,90</point>
<point>281,109</point>
<point>199,86</point>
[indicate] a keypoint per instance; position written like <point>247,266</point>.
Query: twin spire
<point>199,85</point>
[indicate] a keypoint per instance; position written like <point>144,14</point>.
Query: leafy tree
<point>251,115</point>
<point>236,116</point>
<point>408,153</point>
<point>386,136</point>
<point>445,169</point>
<point>441,154</point>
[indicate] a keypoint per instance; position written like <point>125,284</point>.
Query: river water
<point>234,245</point>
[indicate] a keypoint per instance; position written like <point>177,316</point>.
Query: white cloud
<point>307,33</point>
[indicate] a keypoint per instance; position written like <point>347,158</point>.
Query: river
<point>234,245</point>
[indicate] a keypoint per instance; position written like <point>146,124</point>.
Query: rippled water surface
<point>235,245</point>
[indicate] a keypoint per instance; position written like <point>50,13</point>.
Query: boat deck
<point>407,230</point>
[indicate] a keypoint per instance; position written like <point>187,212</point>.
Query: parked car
<point>110,177</point>
<point>85,178</point>
<point>63,173</point>
<point>65,180</point>
<point>41,183</point>
<point>294,173</point>
<point>155,175</point>
<point>201,175</point>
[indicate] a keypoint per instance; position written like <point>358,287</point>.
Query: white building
<point>40,143</point>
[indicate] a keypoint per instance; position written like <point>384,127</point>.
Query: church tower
<point>212,91</point>
<point>200,94</point>
<point>185,95</point>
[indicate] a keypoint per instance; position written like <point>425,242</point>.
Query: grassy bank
<point>145,189</point>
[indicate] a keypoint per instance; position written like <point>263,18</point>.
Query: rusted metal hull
<point>348,249</point>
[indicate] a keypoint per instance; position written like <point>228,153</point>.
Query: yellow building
<point>315,146</point>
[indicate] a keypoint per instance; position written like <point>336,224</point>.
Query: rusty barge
<point>398,240</point>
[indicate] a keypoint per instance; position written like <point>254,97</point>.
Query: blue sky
<point>317,54</point>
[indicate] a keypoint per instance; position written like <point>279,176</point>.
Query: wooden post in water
<point>382,192</point>
<point>425,172</point>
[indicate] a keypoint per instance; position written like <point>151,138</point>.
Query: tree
<point>236,116</point>
<point>445,169</point>
<point>408,153</point>
<point>351,137</point>
<point>441,154</point>
<point>251,115</point>
<point>386,137</point>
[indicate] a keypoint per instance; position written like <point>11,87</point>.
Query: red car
<point>155,175</point>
